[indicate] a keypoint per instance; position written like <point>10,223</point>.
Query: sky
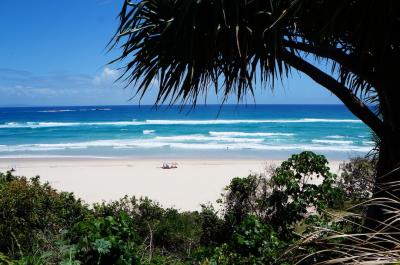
<point>53,53</point>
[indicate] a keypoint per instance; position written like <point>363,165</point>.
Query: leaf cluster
<point>105,240</point>
<point>253,242</point>
<point>300,186</point>
<point>32,215</point>
<point>357,178</point>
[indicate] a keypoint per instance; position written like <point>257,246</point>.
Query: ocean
<point>211,131</point>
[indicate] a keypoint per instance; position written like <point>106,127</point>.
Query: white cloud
<point>107,77</point>
<point>17,87</point>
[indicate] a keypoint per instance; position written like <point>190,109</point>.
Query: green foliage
<point>253,238</point>
<point>5,178</point>
<point>105,240</point>
<point>178,232</point>
<point>4,260</point>
<point>34,259</point>
<point>171,231</point>
<point>295,192</point>
<point>301,185</point>
<point>33,214</point>
<point>142,209</point>
<point>213,228</point>
<point>246,196</point>
<point>252,243</point>
<point>260,215</point>
<point>256,223</point>
<point>358,177</point>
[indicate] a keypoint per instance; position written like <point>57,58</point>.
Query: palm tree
<point>232,45</point>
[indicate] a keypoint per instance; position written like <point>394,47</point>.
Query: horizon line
<point>168,105</point>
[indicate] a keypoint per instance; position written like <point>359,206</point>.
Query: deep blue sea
<point>257,131</point>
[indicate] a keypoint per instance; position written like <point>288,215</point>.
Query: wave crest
<point>255,134</point>
<point>149,131</point>
<point>339,142</point>
<point>220,144</point>
<point>166,122</point>
<point>73,110</point>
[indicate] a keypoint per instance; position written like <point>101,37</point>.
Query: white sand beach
<point>194,182</point>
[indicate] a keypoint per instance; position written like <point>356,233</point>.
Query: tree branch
<point>334,54</point>
<point>353,103</point>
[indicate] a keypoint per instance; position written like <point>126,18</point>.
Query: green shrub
<point>213,228</point>
<point>245,196</point>
<point>178,232</point>
<point>299,185</point>
<point>252,243</point>
<point>5,178</point>
<point>105,240</point>
<point>358,177</point>
<point>33,215</point>
<point>295,191</point>
<point>260,215</point>
<point>143,212</point>
<point>174,233</point>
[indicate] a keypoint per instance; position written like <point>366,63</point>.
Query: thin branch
<point>353,103</point>
<point>334,54</point>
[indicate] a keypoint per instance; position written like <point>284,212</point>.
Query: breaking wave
<point>149,131</point>
<point>340,142</point>
<point>255,134</point>
<point>168,122</point>
<point>169,142</point>
<point>73,110</point>
<point>335,136</point>
<point>200,137</point>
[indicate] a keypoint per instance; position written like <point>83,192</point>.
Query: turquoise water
<point>207,131</point>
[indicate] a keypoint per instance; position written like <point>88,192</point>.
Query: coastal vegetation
<point>285,217</point>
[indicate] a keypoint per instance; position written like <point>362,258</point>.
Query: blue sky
<point>53,53</point>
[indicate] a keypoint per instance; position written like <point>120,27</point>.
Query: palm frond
<point>189,46</point>
<point>192,45</point>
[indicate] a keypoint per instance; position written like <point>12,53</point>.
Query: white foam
<point>165,122</point>
<point>10,125</point>
<point>200,137</point>
<point>221,144</point>
<point>57,110</point>
<point>239,134</point>
<point>55,156</point>
<point>368,142</point>
<point>74,110</point>
<point>49,124</point>
<point>103,109</point>
<point>199,122</point>
<point>149,131</point>
<point>340,142</point>
<point>335,136</point>
<point>95,109</point>
<point>66,124</point>
<point>329,120</point>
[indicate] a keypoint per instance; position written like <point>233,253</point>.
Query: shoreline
<point>131,158</point>
<point>194,182</point>
<point>167,154</point>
